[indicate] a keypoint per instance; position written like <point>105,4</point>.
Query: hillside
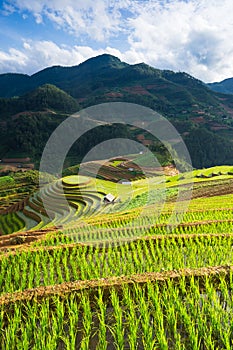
<point>134,274</point>
<point>225,86</point>
<point>44,97</point>
<point>105,78</point>
<point>43,100</point>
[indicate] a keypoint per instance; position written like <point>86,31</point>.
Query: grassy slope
<point>81,291</point>
<point>86,194</point>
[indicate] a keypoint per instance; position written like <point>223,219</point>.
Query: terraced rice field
<point>116,278</point>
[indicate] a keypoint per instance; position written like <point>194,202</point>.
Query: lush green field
<point>170,315</point>
<point>85,195</point>
<point>123,275</point>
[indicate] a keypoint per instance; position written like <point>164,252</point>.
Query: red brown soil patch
<point>219,127</point>
<point>15,167</point>
<point>18,206</point>
<point>18,115</point>
<point>147,142</point>
<point>14,240</point>
<point>199,120</point>
<point>140,137</point>
<point>170,170</point>
<point>114,94</point>
<point>137,89</point>
<point>152,86</point>
<point>16,160</point>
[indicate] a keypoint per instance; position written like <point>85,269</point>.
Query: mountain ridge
<point>59,91</point>
<point>48,75</point>
<point>225,86</point>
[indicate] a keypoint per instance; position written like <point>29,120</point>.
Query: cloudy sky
<point>195,36</point>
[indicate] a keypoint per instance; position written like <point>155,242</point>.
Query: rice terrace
<point>116,233</point>
<point>112,276</point>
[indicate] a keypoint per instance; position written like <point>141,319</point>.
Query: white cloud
<point>13,61</point>
<point>36,55</point>
<point>38,18</point>
<point>193,36</point>
<point>183,35</point>
<point>98,19</point>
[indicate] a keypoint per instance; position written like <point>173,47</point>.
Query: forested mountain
<point>106,77</point>
<point>32,106</point>
<point>225,86</point>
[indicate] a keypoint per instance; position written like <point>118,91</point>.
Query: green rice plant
<point>102,333</point>
<point>169,300</point>
<point>158,317</point>
<point>117,330</point>
<point>70,338</point>
<point>31,269</point>
<point>87,322</point>
<point>6,182</point>
<point>146,320</point>
<point>174,314</point>
<point>13,328</point>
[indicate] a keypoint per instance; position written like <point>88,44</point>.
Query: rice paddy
<point>101,276</point>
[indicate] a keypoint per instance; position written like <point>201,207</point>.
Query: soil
<point>210,191</point>
<point>15,240</point>
<point>15,167</point>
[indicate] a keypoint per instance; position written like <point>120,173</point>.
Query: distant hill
<point>44,97</point>
<point>49,96</point>
<point>225,86</point>
<point>66,78</point>
<point>106,78</point>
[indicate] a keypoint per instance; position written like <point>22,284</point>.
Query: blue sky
<point>194,36</point>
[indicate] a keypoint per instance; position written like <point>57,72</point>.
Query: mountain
<point>47,97</point>
<point>66,78</point>
<point>225,86</point>
<point>106,78</point>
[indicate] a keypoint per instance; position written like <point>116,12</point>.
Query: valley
<point>128,251</point>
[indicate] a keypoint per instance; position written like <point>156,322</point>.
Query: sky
<point>193,36</point>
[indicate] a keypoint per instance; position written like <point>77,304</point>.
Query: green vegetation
<point>15,190</point>
<point>10,223</point>
<point>32,107</point>
<point>123,275</point>
<point>49,96</point>
<point>44,97</point>
<point>225,86</point>
<point>85,195</point>
<point>6,182</point>
<point>171,316</point>
<point>208,149</point>
<point>137,273</point>
<point>185,313</point>
<point>137,257</point>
